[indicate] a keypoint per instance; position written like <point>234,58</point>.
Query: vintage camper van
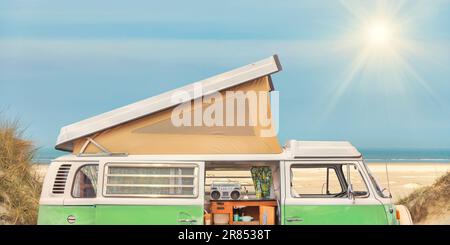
<point>134,166</point>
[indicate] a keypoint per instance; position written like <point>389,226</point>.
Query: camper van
<point>311,183</point>
<point>132,165</point>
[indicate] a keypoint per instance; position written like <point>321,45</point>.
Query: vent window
<point>61,178</point>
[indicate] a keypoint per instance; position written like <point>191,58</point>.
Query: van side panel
<point>336,214</point>
<point>149,214</point>
<point>57,215</point>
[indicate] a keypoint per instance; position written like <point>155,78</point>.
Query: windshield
<point>379,189</point>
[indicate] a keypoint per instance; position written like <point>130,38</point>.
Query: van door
<point>151,192</point>
<point>318,193</point>
<point>81,194</point>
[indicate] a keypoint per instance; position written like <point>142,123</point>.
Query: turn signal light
<point>397,214</point>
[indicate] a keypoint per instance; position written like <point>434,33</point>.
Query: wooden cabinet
<point>221,208</point>
<point>262,211</point>
<point>266,215</point>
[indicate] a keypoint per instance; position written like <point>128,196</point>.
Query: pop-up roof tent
<point>145,127</point>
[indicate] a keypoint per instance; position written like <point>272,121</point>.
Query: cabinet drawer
<point>221,209</point>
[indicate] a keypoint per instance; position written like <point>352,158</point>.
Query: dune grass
<point>19,184</point>
<point>430,201</point>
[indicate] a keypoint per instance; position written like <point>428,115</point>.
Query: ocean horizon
<point>397,155</point>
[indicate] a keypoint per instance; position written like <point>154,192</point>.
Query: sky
<point>345,76</point>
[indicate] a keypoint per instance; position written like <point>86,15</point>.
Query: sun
<point>379,33</point>
<point>379,39</point>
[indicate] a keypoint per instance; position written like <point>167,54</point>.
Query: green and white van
<point>134,165</point>
<point>313,183</point>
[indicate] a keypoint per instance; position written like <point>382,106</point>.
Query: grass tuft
<point>429,201</point>
<point>20,186</point>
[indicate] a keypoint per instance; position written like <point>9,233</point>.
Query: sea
<point>391,155</point>
<point>406,155</point>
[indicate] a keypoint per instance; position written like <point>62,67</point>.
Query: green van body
<point>120,215</point>
<point>66,210</point>
<point>169,215</point>
<point>337,215</point>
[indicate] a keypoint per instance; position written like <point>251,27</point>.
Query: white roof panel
<point>303,149</point>
<point>165,100</point>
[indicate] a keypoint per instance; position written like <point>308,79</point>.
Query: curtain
<point>262,180</point>
<point>91,171</point>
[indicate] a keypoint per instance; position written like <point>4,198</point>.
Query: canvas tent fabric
<point>156,134</point>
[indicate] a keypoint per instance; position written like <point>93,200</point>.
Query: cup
<point>236,217</point>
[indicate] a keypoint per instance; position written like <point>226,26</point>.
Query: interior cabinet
<point>262,211</point>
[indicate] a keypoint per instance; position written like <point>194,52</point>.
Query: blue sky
<point>64,61</point>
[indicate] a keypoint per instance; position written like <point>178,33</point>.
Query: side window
<point>359,186</point>
<point>311,181</point>
<point>151,180</point>
<point>85,182</point>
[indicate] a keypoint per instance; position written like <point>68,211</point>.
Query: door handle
<point>187,220</point>
<point>294,219</point>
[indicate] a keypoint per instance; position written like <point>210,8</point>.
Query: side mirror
<point>389,193</point>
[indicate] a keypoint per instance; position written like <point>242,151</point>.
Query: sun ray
<point>356,65</point>
<point>379,37</point>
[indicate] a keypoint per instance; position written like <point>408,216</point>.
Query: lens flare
<point>378,39</point>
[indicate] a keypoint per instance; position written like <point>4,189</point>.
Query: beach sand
<point>404,178</point>
<point>41,170</point>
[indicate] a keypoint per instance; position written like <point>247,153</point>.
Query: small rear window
<point>85,182</point>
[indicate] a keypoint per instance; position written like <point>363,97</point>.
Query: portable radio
<point>225,191</point>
